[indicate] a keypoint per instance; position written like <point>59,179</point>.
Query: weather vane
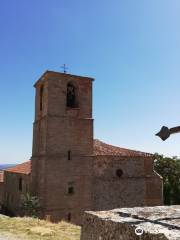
<point>64,68</point>
<point>165,132</point>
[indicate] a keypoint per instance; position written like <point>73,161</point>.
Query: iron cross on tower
<point>64,68</point>
<point>165,132</point>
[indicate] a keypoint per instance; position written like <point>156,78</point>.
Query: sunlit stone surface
<point>157,223</point>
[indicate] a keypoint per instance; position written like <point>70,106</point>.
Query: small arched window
<point>119,173</point>
<point>70,190</point>
<point>41,97</point>
<point>71,96</point>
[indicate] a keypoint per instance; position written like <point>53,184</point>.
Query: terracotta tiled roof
<point>1,176</point>
<point>101,148</point>
<point>24,168</point>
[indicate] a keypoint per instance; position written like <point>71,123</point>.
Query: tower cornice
<point>52,74</point>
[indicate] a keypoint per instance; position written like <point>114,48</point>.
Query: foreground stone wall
<point>157,223</point>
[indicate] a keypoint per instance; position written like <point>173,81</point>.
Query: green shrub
<point>169,169</point>
<point>30,205</point>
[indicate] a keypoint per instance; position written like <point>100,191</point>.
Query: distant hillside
<point>4,166</point>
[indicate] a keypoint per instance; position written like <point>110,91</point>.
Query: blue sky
<point>131,48</point>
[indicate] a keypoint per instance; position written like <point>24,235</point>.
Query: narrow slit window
<point>69,155</point>
<point>20,184</point>
<point>7,198</point>
<point>69,217</point>
<point>41,97</point>
<point>70,190</point>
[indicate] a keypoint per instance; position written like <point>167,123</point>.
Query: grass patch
<point>28,228</point>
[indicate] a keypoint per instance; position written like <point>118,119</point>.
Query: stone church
<point>70,171</point>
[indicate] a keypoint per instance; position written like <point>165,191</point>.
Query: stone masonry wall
<point>1,192</point>
<point>63,147</point>
<point>59,203</point>
<point>12,194</point>
<point>131,189</point>
<point>157,223</point>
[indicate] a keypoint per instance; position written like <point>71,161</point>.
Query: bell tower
<point>63,145</point>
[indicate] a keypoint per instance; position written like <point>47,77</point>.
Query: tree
<point>169,169</point>
<point>30,205</point>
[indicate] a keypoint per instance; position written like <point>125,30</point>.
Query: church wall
<point>61,131</point>
<point>154,191</point>
<point>75,173</point>
<point>154,185</point>
<point>57,87</point>
<point>1,193</point>
<point>12,193</point>
<point>111,191</point>
<point>69,133</point>
<point>76,215</point>
<point>40,136</point>
<point>38,178</point>
<point>38,156</point>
